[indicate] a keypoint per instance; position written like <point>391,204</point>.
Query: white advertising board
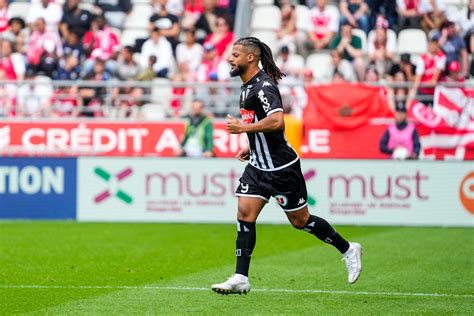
<point>357,192</point>
<point>161,189</point>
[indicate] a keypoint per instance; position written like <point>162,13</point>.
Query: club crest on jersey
<point>264,100</point>
<point>281,199</point>
<point>247,116</point>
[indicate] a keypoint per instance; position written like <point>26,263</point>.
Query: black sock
<point>320,228</point>
<point>246,237</point>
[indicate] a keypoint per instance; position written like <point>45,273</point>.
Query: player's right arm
<point>271,123</point>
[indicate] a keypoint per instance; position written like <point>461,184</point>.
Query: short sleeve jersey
<point>259,98</point>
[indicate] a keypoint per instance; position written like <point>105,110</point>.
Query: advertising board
<point>359,192</point>
<point>38,188</point>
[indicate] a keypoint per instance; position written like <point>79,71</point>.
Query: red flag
<point>449,124</point>
<point>344,105</point>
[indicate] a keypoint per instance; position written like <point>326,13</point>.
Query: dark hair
<point>264,52</point>
<point>227,19</point>
<point>17,20</point>
<point>128,48</point>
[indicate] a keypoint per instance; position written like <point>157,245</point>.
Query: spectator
<point>381,51</point>
<point>398,91</point>
<point>355,13</point>
<point>213,68</point>
<point>4,16</point>
<point>65,102</point>
<point>372,76</point>
<point>289,64</point>
<point>157,45</point>
<point>167,23</point>
<point>401,140</point>
<point>114,11</point>
<point>291,91</point>
<point>72,45</point>
<point>6,99</point>
<point>410,13</point>
<point>287,35</point>
<point>340,67</point>
<point>11,65</point>
<point>127,68</point>
<point>433,15</point>
<point>404,66</point>
<point>454,73</point>
<point>324,24</point>
<point>148,74</point>
<point>429,69</point>
<point>198,135</point>
<point>192,12</point>
<point>33,99</point>
<point>466,22</point>
<point>222,38</point>
<point>44,49</point>
<point>206,23</point>
<point>18,34</point>
<point>100,42</point>
<point>94,96</point>
<point>69,68</point>
<point>454,46</point>
<point>49,11</point>
<point>74,18</point>
<point>189,55</point>
<point>179,93</point>
<point>385,9</point>
<point>351,47</point>
<point>174,7</point>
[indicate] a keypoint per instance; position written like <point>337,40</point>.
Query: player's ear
<point>250,57</point>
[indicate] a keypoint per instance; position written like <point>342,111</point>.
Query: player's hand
<point>243,154</point>
<point>234,126</point>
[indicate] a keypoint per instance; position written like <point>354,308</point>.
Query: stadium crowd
<point>189,41</point>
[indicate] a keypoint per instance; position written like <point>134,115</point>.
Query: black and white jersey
<point>259,98</point>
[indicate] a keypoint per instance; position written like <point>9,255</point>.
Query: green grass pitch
<point>59,268</point>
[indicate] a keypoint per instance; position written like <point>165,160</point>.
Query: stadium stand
<point>265,21</point>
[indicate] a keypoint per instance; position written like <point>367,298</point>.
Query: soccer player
<point>273,168</point>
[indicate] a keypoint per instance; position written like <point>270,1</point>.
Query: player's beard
<point>237,71</point>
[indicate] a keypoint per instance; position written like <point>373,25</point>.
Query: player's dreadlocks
<point>262,51</point>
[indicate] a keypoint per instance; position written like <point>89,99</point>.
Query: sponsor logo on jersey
<point>247,116</point>
<point>281,199</point>
<point>264,100</point>
<point>266,84</point>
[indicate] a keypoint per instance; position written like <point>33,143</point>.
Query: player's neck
<point>249,74</point>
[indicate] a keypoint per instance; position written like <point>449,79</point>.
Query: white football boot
<point>352,259</point>
<point>236,284</point>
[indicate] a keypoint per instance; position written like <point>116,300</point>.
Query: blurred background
<point>90,90</point>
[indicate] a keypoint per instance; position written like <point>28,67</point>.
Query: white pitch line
<point>175,288</point>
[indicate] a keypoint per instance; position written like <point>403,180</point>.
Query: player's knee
<point>244,215</point>
<point>298,222</point>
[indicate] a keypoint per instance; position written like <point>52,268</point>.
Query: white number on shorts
<point>245,188</point>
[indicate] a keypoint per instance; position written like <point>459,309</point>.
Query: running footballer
<point>274,167</point>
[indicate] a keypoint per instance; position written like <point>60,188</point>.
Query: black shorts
<point>287,186</point>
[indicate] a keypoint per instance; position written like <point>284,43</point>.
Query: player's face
<point>238,61</point>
